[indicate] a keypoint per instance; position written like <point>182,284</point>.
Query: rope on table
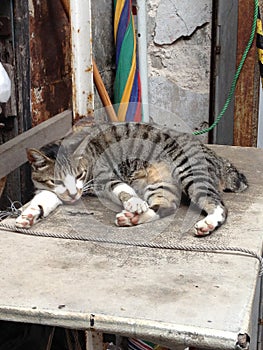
<point>78,237</point>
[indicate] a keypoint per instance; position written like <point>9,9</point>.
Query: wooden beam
<point>2,185</point>
<point>13,152</point>
<point>247,90</point>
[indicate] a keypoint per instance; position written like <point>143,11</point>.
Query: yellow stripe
<point>259,27</point>
<point>128,88</point>
<point>117,16</point>
<point>260,55</point>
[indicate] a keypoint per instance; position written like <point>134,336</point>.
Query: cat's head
<point>63,175</point>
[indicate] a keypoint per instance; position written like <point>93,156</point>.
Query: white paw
<point>135,205</point>
<point>204,227</point>
<point>210,222</point>
<point>126,218</point>
<point>28,218</point>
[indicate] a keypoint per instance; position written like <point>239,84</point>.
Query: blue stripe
<point>133,99</point>
<point>122,26</point>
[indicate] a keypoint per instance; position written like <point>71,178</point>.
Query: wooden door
<point>231,31</point>
<point>15,115</point>
<point>223,67</point>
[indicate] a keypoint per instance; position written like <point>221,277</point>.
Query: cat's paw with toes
<point>28,218</point>
<point>203,227</point>
<point>212,221</point>
<point>126,218</point>
<point>135,205</point>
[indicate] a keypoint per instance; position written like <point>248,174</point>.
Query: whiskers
<point>88,188</point>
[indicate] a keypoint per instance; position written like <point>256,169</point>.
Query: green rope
<point>237,74</point>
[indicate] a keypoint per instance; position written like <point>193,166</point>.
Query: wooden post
<point>94,340</point>
<point>247,90</point>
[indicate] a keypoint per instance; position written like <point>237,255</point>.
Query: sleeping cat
<point>144,168</point>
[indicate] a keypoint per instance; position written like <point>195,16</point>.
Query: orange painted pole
<point>103,94</point>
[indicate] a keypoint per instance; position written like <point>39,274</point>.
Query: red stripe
<point>138,113</point>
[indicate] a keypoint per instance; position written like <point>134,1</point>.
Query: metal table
<point>172,297</point>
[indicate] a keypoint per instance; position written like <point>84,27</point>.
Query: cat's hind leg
<point>136,210</point>
<point>208,199</point>
<point>215,218</point>
<point>161,196</point>
<point>43,203</point>
<point>160,203</point>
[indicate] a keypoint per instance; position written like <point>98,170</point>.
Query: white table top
<point>170,296</point>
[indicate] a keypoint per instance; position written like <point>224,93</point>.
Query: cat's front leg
<point>126,218</point>
<point>136,211</point>
<point>41,206</point>
<point>129,199</point>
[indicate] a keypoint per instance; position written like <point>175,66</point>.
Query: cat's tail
<point>233,180</point>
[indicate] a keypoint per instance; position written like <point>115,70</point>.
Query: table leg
<point>94,340</point>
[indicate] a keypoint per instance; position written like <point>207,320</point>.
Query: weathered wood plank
<point>2,185</point>
<point>12,153</point>
<point>246,95</point>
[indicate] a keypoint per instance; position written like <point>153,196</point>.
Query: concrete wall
<point>103,44</point>
<point>179,59</point>
<point>260,121</point>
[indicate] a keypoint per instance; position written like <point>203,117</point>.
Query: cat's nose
<point>73,195</point>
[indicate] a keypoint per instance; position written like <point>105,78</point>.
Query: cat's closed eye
<point>81,176</point>
<point>55,182</point>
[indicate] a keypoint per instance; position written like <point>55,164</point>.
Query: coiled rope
<point>167,246</point>
<point>237,74</point>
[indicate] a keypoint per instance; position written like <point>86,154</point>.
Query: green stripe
<point>124,64</point>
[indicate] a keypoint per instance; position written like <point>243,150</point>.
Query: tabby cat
<point>144,168</point>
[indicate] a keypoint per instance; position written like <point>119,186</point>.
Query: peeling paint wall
<point>50,59</point>
<point>179,47</point>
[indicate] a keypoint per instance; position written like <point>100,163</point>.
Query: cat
<point>143,167</point>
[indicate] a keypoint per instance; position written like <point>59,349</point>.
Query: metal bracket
<point>243,341</point>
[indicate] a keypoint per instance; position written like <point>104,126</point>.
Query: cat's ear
<point>80,150</point>
<point>37,159</point>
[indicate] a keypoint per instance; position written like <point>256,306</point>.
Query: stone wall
<point>179,47</point>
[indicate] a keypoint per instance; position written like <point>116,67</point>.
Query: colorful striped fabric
<point>127,86</point>
<point>260,45</point>
<point>138,344</point>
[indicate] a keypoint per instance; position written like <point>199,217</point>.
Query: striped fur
<point>143,167</point>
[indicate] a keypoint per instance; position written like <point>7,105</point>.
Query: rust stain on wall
<point>50,59</point>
